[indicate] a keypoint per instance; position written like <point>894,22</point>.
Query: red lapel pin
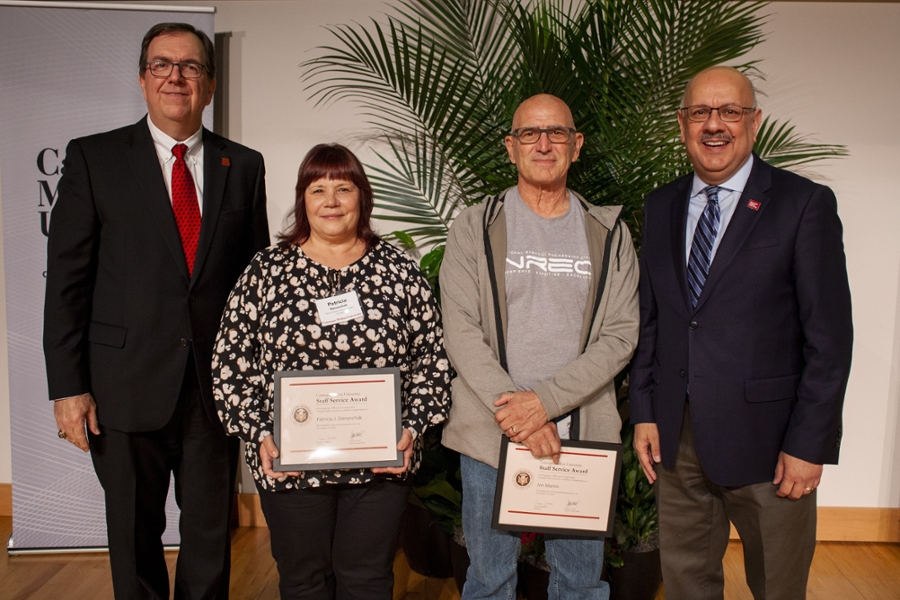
<point>753,204</point>
<point>226,162</point>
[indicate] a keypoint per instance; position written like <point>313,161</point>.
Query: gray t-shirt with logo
<point>547,277</point>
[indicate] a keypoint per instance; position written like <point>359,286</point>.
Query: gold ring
<point>513,428</point>
<point>61,434</point>
<point>809,489</point>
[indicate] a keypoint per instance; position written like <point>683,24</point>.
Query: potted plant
<point>431,530</point>
<point>632,552</point>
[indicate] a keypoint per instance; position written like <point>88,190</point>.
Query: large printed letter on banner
<point>66,70</point>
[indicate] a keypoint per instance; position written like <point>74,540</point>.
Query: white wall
<point>830,67</point>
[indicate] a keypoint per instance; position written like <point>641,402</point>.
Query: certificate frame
<point>323,421</point>
<point>535,495</point>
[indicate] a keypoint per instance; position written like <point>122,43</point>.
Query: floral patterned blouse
<point>270,324</point>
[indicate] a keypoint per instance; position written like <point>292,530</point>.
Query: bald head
<point>543,104</point>
<point>718,147</point>
<point>543,164</point>
<point>718,74</point>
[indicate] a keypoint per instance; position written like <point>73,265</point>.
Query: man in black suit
<point>738,381</point>
<point>153,225</point>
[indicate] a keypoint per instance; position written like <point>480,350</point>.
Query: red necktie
<point>184,203</point>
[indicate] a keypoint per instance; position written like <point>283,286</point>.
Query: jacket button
<point>184,342</point>
<point>190,297</point>
<point>681,373</point>
<point>693,325</point>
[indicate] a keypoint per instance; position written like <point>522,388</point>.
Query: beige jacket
<point>477,352</point>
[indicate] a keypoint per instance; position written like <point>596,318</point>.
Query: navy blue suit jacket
<point>122,315</point>
<point>765,355</point>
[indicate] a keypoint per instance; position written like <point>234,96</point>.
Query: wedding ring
<point>61,434</point>
<point>513,428</point>
<point>809,489</point>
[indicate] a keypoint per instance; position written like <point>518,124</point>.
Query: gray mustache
<point>716,136</point>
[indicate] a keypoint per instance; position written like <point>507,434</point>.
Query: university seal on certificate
<point>301,415</point>
<point>575,497</point>
<point>341,419</point>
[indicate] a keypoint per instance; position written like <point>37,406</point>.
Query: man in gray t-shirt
<point>548,271</point>
<point>540,314</point>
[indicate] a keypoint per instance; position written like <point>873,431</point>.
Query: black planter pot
<point>638,579</point>
<point>459,557</point>
<point>425,544</point>
<point>533,581</point>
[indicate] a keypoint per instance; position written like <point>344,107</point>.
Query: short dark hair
<point>330,161</point>
<point>169,28</point>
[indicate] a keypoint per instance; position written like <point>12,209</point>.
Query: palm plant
<point>438,82</point>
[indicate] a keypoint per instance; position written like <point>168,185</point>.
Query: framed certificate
<point>342,419</point>
<point>575,497</point>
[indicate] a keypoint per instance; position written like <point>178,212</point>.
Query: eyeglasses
<point>163,68</point>
<point>730,113</point>
<point>531,135</point>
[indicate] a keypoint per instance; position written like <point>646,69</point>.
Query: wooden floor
<point>840,571</point>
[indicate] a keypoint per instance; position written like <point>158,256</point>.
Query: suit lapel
<point>144,164</point>
<point>215,175</point>
<point>742,223</point>
<point>678,219</point>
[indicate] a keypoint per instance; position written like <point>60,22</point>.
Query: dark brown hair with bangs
<point>330,161</point>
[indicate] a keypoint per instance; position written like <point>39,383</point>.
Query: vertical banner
<point>66,70</point>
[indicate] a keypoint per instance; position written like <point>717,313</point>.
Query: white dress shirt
<point>729,196</point>
<point>193,157</point>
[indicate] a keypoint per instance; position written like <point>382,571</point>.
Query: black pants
<point>134,470</point>
<point>336,542</point>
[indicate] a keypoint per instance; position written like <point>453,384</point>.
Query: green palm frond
<point>439,80</point>
<point>417,187</point>
<point>779,145</point>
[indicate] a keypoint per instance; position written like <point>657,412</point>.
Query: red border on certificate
<point>575,497</point>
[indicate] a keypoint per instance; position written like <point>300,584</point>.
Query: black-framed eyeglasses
<point>531,135</point>
<point>164,68</point>
<point>730,113</point>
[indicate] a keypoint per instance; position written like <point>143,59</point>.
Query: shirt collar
<point>164,143</point>
<point>736,183</point>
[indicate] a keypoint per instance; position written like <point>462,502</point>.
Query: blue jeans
<point>575,563</point>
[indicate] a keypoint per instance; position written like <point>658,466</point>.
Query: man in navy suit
<point>154,224</point>
<point>738,381</point>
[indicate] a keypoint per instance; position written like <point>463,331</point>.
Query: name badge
<point>339,308</point>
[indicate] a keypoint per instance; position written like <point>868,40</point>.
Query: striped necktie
<point>701,247</point>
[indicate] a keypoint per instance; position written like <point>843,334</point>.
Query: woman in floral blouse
<point>333,533</point>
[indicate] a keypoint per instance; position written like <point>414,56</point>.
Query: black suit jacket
<point>121,314</point>
<point>765,355</point>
